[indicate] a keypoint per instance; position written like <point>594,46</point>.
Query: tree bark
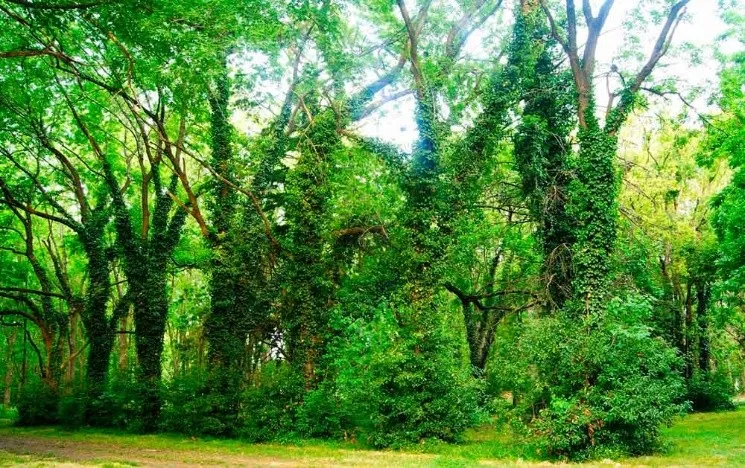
<point>8,382</point>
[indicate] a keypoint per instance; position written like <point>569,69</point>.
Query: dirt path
<point>53,451</point>
<point>57,451</point>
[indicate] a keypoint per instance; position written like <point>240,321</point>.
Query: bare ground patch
<point>43,451</point>
<point>97,453</point>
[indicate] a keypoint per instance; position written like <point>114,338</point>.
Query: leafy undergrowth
<point>703,439</point>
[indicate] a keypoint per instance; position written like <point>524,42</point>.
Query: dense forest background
<point>199,234</point>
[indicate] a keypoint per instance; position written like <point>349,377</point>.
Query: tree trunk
<point>150,311</point>
<point>8,382</point>
<point>594,205</point>
<point>123,360</point>
<point>703,294</point>
<point>225,328</point>
<point>689,333</point>
<point>100,335</point>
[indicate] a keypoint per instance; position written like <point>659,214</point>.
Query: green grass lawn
<point>696,440</point>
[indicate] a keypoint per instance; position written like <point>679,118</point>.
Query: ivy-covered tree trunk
<point>594,210</point>
<point>98,328</point>
<point>151,312</point>
<point>592,201</point>
<point>150,317</point>
<point>542,153</point>
<point>224,328</point>
<point>309,289</point>
<point>145,262</point>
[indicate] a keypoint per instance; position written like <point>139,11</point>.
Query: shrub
<point>399,385</point>
<point>119,406</point>
<point>71,411</point>
<point>599,385</point>
<point>8,413</point>
<point>322,415</point>
<point>270,406</point>
<point>37,405</point>
<point>190,407</point>
<point>710,392</point>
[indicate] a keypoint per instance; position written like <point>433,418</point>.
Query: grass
<point>697,440</point>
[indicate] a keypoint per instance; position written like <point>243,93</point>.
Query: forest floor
<point>713,439</point>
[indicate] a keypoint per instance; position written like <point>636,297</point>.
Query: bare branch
<point>660,49</point>
<point>595,27</point>
<point>587,11</point>
<point>413,32</point>
<point>23,53</point>
<point>385,100</point>
<point>9,200</point>
<point>662,44</point>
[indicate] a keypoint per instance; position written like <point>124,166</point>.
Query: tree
<point>593,192</point>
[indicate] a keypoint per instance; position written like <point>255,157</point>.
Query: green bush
<point>596,386</point>
<point>37,405</point>
<point>119,406</point>
<point>710,392</point>
<point>322,415</point>
<point>190,407</point>
<point>399,385</point>
<point>8,413</point>
<point>72,407</point>
<point>270,406</point>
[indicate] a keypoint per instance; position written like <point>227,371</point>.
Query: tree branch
<point>32,291</point>
<point>60,6</point>
<point>660,49</point>
<point>554,27</point>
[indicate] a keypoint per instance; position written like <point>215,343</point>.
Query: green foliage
<point>710,391</point>
<point>37,405</point>
<point>270,405</point>
<point>199,236</point>
<point>119,406</point>
<point>322,414</point>
<point>399,387</point>
<point>8,414</point>
<point>71,411</point>
<point>191,407</point>
<point>588,386</point>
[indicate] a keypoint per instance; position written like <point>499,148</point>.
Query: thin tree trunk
<point>9,370</point>
<point>702,319</point>
<point>123,346</point>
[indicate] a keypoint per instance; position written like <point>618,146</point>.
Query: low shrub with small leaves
<point>72,408</point>
<point>401,386</point>
<point>322,414</point>
<point>119,406</point>
<point>190,407</point>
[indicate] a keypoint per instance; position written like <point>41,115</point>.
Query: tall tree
<point>594,191</point>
